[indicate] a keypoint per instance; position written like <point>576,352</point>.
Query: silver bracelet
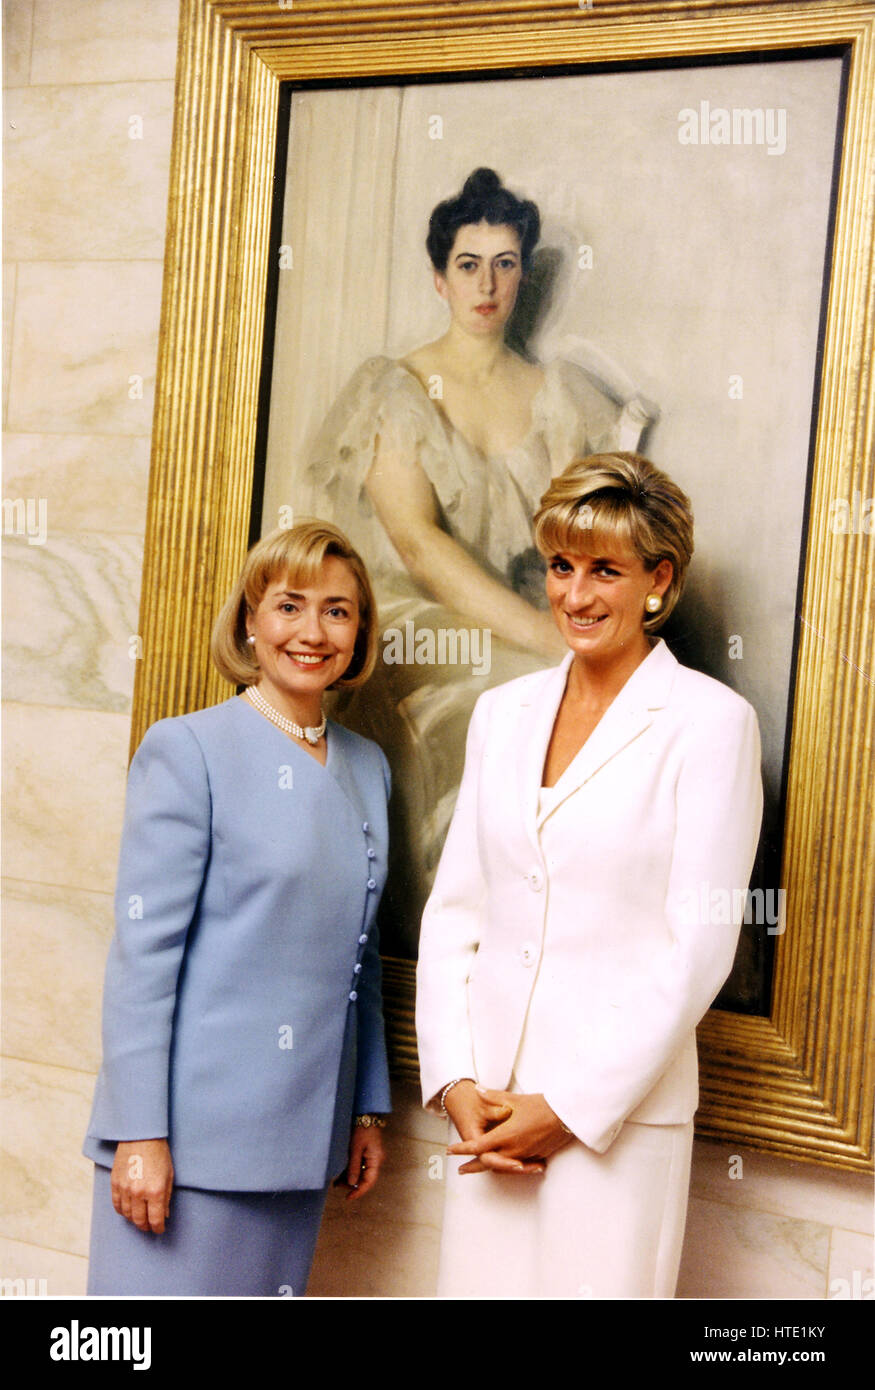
<point>446,1091</point>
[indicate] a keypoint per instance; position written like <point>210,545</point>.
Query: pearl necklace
<point>311,734</point>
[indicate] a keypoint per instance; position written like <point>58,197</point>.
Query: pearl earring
<point>653,603</point>
<point>251,640</point>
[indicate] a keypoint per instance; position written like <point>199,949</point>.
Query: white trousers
<point>592,1226</point>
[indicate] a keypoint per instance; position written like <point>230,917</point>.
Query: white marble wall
<point>88,109</point>
<point>85,210</point>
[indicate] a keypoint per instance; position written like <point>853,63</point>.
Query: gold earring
<point>653,603</point>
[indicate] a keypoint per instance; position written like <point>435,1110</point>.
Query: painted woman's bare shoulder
<point>423,361</point>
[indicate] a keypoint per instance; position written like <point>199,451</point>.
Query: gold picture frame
<point>799,1082</point>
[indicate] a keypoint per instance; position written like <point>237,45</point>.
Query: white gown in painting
<point>418,709</point>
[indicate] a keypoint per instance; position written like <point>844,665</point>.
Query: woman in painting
<point>244,1064</point>
<point>434,465</point>
<point>566,956</point>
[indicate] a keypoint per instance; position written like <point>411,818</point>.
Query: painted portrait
<point>672,305</point>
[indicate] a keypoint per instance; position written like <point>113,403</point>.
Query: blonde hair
<point>609,500</point>
<point>297,554</point>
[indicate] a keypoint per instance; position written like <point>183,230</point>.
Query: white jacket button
<point>536,881</point>
<point>528,953</point>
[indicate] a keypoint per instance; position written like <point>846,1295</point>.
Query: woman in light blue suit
<point>244,1061</point>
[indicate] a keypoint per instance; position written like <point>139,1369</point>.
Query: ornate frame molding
<point>800,1082</point>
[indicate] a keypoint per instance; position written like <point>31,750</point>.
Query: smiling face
<point>305,637</point>
<point>598,603</point>
<point>482,278</point>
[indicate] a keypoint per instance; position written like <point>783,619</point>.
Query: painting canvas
<point>678,283</point>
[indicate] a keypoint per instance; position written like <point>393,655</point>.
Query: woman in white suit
<point>584,916</point>
<point>244,1063</point>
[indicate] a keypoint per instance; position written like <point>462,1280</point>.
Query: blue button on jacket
<point>243,907</point>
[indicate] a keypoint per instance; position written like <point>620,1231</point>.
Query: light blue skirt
<point>243,1244</point>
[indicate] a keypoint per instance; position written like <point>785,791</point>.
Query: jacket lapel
<point>646,691</point>
<point>536,716</point>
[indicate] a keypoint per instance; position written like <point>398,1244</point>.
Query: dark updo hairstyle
<point>483,198</point>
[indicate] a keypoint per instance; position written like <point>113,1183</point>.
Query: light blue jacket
<point>242,1006</point>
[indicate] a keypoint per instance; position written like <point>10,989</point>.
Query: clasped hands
<point>504,1132</point>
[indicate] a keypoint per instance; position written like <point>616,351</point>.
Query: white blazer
<point>577,949</point>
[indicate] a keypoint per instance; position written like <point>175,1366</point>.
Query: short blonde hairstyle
<point>609,500</point>
<point>297,554</point>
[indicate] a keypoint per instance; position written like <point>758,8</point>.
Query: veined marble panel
<point>46,1187</point>
<point>730,1252</point>
<point>766,1182</point>
<point>46,1273</point>
<point>91,482</point>
<point>86,170</point>
<point>64,784</point>
<point>17,40</point>
<point>9,277</point>
<point>851,1267</point>
<point>55,942</point>
<point>70,632</point>
<point>361,1255</point>
<point>84,346</point>
<point>385,1245</point>
<point>83,40</point>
